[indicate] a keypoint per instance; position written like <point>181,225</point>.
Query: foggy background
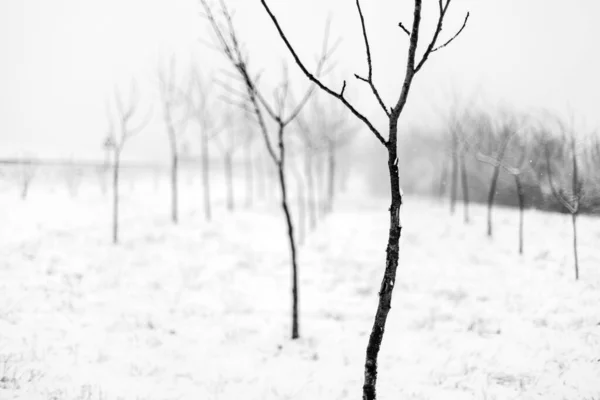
<point>62,59</point>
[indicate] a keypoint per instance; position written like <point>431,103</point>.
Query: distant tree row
<point>502,156</point>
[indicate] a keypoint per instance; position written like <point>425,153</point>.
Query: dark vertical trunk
<point>494,182</point>
<point>576,188</point>
<point>491,195</point>
<point>575,255</point>
<point>206,176</point>
<point>249,177</point>
<point>330,177</point>
<point>174,187</point>
<point>229,180</point>
<point>521,199</point>
<point>115,224</point>
<point>310,190</point>
<point>290,228</point>
<point>465,186</point>
<point>391,265</point>
<point>454,183</point>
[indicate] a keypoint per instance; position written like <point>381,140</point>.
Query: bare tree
<point>249,167</point>
<point>281,113</point>
<point>493,142</point>
<point>172,100</point>
<point>119,133</point>
<point>336,131</point>
<point>312,145</point>
<point>205,117</point>
<point>559,179</point>
<point>516,162</point>
<point>459,149</point>
<point>230,140</point>
<point>413,66</point>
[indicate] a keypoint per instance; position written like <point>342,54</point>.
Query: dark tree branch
<point>443,8</point>
<point>453,37</point>
<point>403,28</point>
<point>369,79</point>
<point>313,79</point>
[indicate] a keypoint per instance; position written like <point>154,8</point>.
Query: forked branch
<point>369,79</point>
<point>315,80</point>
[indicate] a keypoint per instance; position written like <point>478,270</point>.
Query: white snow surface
<point>201,310</point>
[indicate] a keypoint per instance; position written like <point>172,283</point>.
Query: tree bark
<point>206,176</point>
<point>491,195</point>
<point>465,186</point>
<point>229,180</point>
<point>389,278</point>
<point>280,163</point>
<point>576,189</point>
<point>521,199</point>
<point>454,183</point>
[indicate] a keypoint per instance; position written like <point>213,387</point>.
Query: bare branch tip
<point>401,25</point>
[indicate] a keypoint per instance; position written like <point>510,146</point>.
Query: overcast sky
<point>62,58</point>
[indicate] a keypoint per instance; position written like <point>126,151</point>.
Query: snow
<point>202,310</point>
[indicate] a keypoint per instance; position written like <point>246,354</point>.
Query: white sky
<point>61,59</point>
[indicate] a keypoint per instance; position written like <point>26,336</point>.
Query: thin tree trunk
<point>330,177</point>
<point>389,278</point>
<point>465,186</point>
<point>229,180</point>
<point>290,227</point>
<point>575,255</point>
<point>454,182</point>
<point>491,195</point>
<point>174,187</point>
<point>249,177</point>
<point>115,225</point>
<point>455,172</point>
<point>443,178</point>
<point>206,176</point>
<point>521,198</point>
<point>576,189</point>
<point>310,189</point>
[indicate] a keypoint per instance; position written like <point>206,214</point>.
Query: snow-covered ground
<point>201,310</point>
